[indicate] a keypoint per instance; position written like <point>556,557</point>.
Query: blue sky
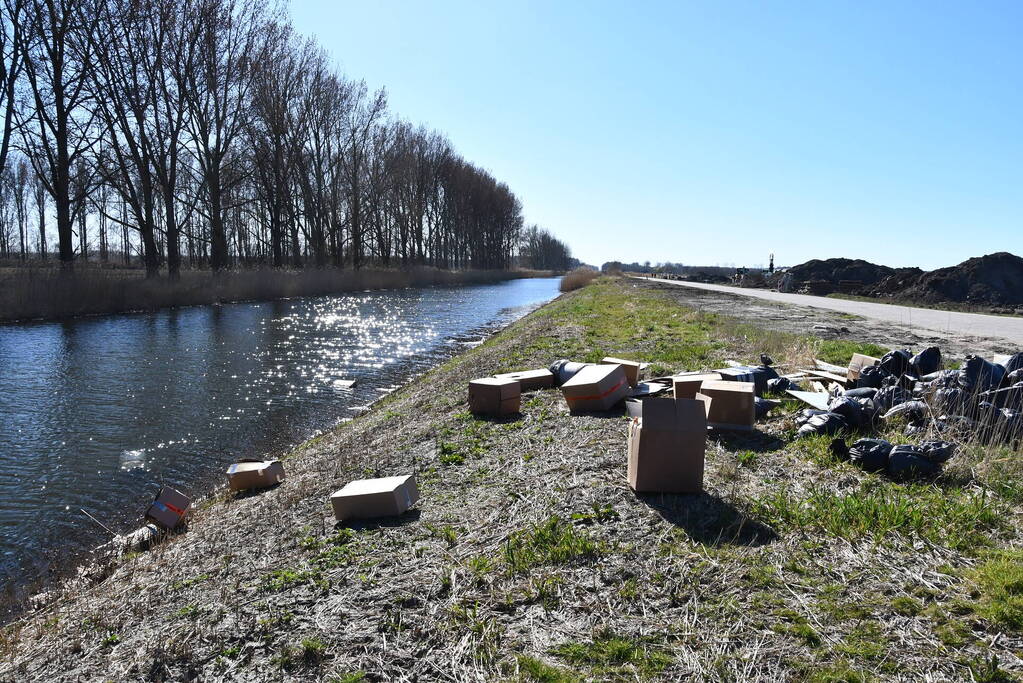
<point>718,132</point>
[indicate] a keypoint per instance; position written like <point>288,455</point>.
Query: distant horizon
<point>718,133</point>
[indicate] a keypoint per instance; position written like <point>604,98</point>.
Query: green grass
<point>532,669</point>
<point>840,351</point>
<point>551,543</point>
<point>612,654</point>
<point>878,510</point>
<point>1000,579</point>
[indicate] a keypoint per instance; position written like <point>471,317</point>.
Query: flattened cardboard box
<point>530,380</point>
<point>687,386</point>
<point>630,367</point>
<point>730,405</point>
<point>494,396</point>
<point>368,498</point>
<point>596,388</point>
<point>667,445</point>
<point>169,507</point>
<point>858,362</point>
<point>254,474</point>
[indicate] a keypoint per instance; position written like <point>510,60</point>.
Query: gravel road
<point>974,325</point>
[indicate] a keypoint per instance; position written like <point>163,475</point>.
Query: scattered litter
<point>630,367</point>
<point>530,380</point>
<point>730,405</point>
<point>688,385</point>
<point>254,474</point>
<point>168,508</point>
<point>564,370</point>
<point>817,399</point>
<point>494,396</point>
<point>651,388</point>
<point>595,388</point>
<point>666,446</point>
<point>369,498</point>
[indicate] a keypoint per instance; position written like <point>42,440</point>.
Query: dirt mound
<point>995,279</point>
<point>838,269</point>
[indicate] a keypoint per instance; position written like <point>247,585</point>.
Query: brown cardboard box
<point>729,404</point>
<point>169,508</point>
<point>366,498</point>
<point>530,380</point>
<point>596,388</point>
<point>858,362</point>
<point>687,386</point>
<point>254,474</point>
<point>630,367</point>
<point>494,396</point>
<point>666,446</point>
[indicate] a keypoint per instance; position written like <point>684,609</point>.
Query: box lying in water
<point>596,388</point>
<point>494,396</point>
<point>687,386</point>
<point>254,474</point>
<point>367,498</point>
<point>630,367</point>
<point>169,508</point>
<point>530,380</point>
<point>666,446</point>
<point>730,405</point>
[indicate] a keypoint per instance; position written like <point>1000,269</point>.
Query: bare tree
<point>11,62</point>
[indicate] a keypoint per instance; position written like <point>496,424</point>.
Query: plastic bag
<point>895,362</point>
<point>927,361</point>
<point>979,375</point>
<point>937,452</point>
<point>849,409</point>
<point>907,461</point>
<point>909,410</point>
<point>1014,363</point>
<point>861,392</point>
<point>824,423</point>
<point>870,454</point>
<point>872,376</point>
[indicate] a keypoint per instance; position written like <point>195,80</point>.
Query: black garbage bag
<point>949,400</point>
<point>1014,363</point>
<point>870,454</point>
<point>806,413</point>
<point>891,396</point>
<point>979,375</point>
<point>873,376</point>
<point>1013,378</point>
<point>937,452</point>
<point>913,411</point>
<point>765,360</point>
<point>850,409</point>
<point>926,362</point>
<point>907,461</point>
<point>762,406</point>
<point>839,449</point>
<point>759,375</point>
<point>895,362</point>
<point>824,424</point>
<point>780,384</point>
<point>861,392</point>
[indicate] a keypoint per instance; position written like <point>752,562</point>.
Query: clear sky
<point>718,132</point>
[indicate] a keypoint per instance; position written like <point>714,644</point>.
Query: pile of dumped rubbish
<point>981,401</point>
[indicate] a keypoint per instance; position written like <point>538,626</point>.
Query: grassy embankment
<point>529,559</point>
<point>47,293</point>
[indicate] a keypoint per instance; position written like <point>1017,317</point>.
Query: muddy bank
<point>528,558</point>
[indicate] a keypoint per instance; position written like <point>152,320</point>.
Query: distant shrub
<point>580,277</point>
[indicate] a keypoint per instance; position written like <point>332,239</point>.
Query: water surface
<point>97,413</point>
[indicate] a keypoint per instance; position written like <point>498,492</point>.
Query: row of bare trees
<point>207,132</point>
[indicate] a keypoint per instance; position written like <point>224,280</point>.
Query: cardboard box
<point>254,474</point>
<point>367,498</point>
<point>858,362</point>
<point>494,396</point>
<point>169,508</point>
<point>667,445</point>
<point>530,380</point>
<point>687,386</point>
<point>630,367</point>
<point>730,405</point>
<point>596,388</point>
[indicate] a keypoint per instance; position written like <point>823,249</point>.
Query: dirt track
<point>836,318</point>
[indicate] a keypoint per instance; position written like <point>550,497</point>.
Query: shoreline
<point>528,558</point>
<point>21,599</point>
<point>45,295</point>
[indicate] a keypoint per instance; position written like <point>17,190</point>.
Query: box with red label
<point>169,508</point>
<point>596,388</point>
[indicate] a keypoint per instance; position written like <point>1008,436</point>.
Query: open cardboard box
<point>368,498</point>
<point>688,385</point>
<point>254,474</point>
<point>596,388</point>
<point>169,507</point>
<point>858,362</point>
<point>666,446</point>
